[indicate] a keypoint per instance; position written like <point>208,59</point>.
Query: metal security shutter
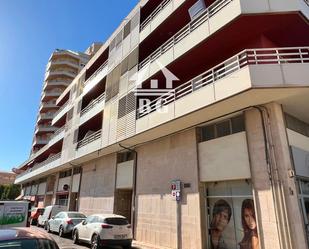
<point>127,29</point>
<point>79,106</point>
<point>113,122</point>
<point>70,114</point>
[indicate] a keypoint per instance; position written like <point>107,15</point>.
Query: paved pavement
<point>67,243</point>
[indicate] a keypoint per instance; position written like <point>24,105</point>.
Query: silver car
<point>64,222</point>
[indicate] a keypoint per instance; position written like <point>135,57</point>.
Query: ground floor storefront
<point>240,181</point>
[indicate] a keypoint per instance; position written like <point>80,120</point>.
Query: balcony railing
<point>47,115</point>
<point>154,14</point>
<point>58,131</point>
<point>242,59</point>
<point>96,72</point>
<point>39,165</point>
<point>95,136</point>
<point>185,31</point>
<point>61,108</point>
<point>92,104</point>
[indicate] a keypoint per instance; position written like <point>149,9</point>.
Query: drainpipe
<point>276,184</point>
<point>133,212</point>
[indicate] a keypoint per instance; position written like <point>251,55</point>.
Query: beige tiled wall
<point>97,186</point>
<point>159,162</point>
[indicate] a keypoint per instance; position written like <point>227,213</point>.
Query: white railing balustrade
<point>154,14</point>
<point>87,140</point>
<point>96,72</point>
<point>240,60</point>
<point>185,31</point>
<point>58,131</point>
<point>61,108</point>
<point>41,164</point>
<point>93,104</point>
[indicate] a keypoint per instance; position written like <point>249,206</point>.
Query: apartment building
<point>192,121</point>
<point>7,178</point>
<point>62,67</point>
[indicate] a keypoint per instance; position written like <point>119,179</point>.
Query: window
<point>231,218</point>
<point>125,156</point>
<point>29,243</point>
<point>222,128</point>
<point>116,221</point>
<point>297,125</point>
<point>127,29</point>
<point>77,170</point>
<point>66,173</point>
<point>133,59</point>
<point>62,200</point>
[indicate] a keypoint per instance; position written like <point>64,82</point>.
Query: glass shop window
<point>231,218</point>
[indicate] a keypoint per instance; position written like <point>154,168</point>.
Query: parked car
<point>104,230</point>
<point>25,238</point>
<point>49,212</point>
<point>35,213</point>
<point>64,222</point>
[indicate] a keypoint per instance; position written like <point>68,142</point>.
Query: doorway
<point>123,202</point>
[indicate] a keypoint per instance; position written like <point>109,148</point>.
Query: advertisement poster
<point>231,220</point>
<point>12,214</point>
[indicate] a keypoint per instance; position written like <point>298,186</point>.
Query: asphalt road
<point>67,243</point>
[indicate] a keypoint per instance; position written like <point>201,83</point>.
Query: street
<point>67,243</point>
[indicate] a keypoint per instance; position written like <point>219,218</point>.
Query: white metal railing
<point>154,13</point>
<point>39,165</point>
<point>61,108</point>
<point>94,136</point>
<point>58,131</point>
<point>185,31</point>
<point>92,104</point>
<point>96,72</point>
<point>240,60</point>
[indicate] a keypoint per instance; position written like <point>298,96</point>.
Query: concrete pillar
<point>263,196</point>
<point>284,164</point>
<point>278,211</point>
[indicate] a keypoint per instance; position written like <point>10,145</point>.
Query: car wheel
<point>75,237</point>
<point>61,231</point>
<point>95,242</point>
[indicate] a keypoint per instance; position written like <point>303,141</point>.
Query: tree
<point>9,192</point>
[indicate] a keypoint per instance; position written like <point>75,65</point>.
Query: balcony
<point>40,141</point>
<point>96,77</point>
<point>44,128</point>
<point>48,106</point>
<point>93,108</point>
<point>158,16</point>
<point>46,116</point>
<point>50,94</point>
<point>216,16</point>
<point>58,73</point>
<point>55,83</point>
<point>61,112</point>
<point>57,136</point>
<point>273,68</point>
<point>89,144</point>
<point>60,62</point>
<point>38,169</point>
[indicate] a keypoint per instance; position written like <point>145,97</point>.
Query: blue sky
<point>29,32</point>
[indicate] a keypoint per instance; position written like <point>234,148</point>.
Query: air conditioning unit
<point>197,9</point>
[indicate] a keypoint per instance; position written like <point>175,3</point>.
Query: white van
<point>14,214</point>
<point>49,212</point>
